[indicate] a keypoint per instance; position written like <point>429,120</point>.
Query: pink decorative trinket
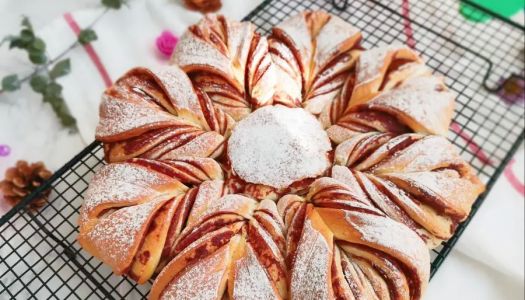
<point>166,43</point>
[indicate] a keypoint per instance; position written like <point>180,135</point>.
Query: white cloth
<point>486,264</point>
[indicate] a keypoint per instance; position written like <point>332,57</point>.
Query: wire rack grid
<point>39,255</point>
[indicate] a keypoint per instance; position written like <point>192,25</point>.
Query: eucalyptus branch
<point>64,52</point>
<point>43,77</point>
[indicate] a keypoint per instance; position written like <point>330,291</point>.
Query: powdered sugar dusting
<point>268,240</point>
<point>209,192</point>
<point>385,233</point>
<point>240,35</point>
<point>426,154</point>
<point>333,33</point>
<point>117,233</point>
<point>310,274</point>
<point>371,61</point>
<point>118,116</point>
<point>251,280</point>
<point>193,51</point>
<point>274,146</point>
<point>456,193</point>
<point>344,175</point>
<point>180,89</point>
<point>262,89</point>
<point>208,144</point>
<point>231,203</point>
<point>201,281</point>
<point>425,106</point>
<point>445,183</point>
<point>277,146</point>
<point>122,183</point>
<point>297,30</point>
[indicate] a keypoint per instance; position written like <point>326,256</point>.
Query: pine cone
<point>203,6</point>
<point>22,179</point>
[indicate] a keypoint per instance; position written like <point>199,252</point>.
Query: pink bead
<point>166,43</point>
<point>4,150</point>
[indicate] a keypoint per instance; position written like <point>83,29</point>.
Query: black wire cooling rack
<point>39,255</point>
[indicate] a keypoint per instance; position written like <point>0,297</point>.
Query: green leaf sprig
<point>114,4</point>
<point>43,79</point>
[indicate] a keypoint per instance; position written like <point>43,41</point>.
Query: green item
<point>505,8</point>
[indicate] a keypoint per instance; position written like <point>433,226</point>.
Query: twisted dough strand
<point>230,62</point>
<point>418,180</point>
<point>341,247</point>
<point>313,52</point>
<point>248,238</point>
<point>158,115</point>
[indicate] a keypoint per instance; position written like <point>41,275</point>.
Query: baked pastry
<point>298,167</point>
<point>159,115</point>
<point>203,6</point>
<point>340,247</point>
<point>391,91</point>
<point>230,62</point>
<point>336,246</point>
<point>417,180</point>
<point>237,248</point>
<point>381,69</point>
<point>313,53</point>
<point>133,211</point>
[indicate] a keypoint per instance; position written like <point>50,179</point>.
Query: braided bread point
<point>158,115</point>
<point>341,247</point>
<point>342,123</point>
<point>235,251</point>
<point>132,211</point>
<point>313,52</point>
<point>230,62</point>
<point>421,104</point>
<point>382,68</point>
<point>418,180</point>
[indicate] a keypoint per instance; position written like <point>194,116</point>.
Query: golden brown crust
<point>418,180</point>
<point>359,252</point>
<point>392,91</point>
<point>133,210</point>
<point>382,68</point>
<point>113,239</point>
<point>247,235</point>
<point>230,62</point>
<point>313,53</point>
<point>186,169</point>
<point>423,104</point>
<point>159,115</point>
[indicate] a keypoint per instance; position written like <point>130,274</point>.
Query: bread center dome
<point>277,146</point>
